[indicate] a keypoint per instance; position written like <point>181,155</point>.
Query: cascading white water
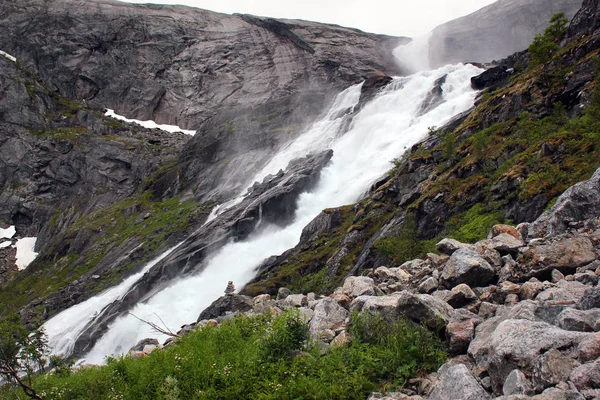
<point>64,328</point>
<point>381,131</point>
<point>318,137</point>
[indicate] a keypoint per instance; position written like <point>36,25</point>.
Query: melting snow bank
<point>149,124</point>
<point>7,233</point>
<point>65,327</point>
<point>380,132</point>
<point>25,252</point>
<point>5,54</point>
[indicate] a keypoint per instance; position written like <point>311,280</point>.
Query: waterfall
<point>64,328</point>
<point>318,137</point>
<point>380,132</point>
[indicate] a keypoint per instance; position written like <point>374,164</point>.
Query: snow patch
<point>149,124</point>
<point>5,54</point>
<point>7,233</point>
<point>5,244</point>
<point>25,252</point>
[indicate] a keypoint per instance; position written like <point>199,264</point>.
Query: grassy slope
<point>259,358</point>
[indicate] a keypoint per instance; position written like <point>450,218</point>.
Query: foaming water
<point>414,56</point>
<point>64,328</point>
<point>380,132</point>
<point>319,136</point>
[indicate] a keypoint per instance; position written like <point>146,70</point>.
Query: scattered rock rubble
<point>520,309</point>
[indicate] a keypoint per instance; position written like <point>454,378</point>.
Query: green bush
<point>257,358</point>
<point>545,45</point>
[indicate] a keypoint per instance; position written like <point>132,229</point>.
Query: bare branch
<point>156,327</point>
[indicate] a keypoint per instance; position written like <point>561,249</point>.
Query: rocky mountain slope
<point>509,158</point>
<point>72,176</point>
<point>495,31</point>
<point>519,310</point>
<point>248,84</point>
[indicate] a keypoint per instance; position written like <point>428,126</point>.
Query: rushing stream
<point>382,130</point>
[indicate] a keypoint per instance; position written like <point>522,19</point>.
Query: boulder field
<point>520,310</point>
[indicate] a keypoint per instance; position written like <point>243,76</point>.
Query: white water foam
<point>149,124</point>
<point>317,137</point>
<point>381,131</point>
<point>64,328</point>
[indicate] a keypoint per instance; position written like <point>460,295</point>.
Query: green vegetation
<point>261,357</point>
<point>71,134</point>
<point>545,45</point>
<point>136,218</point>
<point>314,269</point>
<point>21,354</point>
<point>405,245</point>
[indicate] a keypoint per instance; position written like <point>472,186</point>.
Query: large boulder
<point>328,315</point>
<point>421,308</point>
<point>226,304</point>
<point>563,254</point>
<point>467,266</point>
<point>578,203</point>
<point>355,286</point>
<point>457,382</point>
<point>518,343</point>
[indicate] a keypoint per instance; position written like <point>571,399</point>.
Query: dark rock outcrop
<point>227,304</point>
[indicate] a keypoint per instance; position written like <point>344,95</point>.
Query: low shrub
<point>261,357</point>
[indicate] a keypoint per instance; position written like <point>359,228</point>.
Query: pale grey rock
<point>467,266</point>
<point>328,314</point>
<point>283,293</point>
<point>517,344</point>
<point>449,246</point>
<point>557,276</point>
<point>457,382</point>
<point>307,314</point>
<point>581,201</point>
<point>505,243</point>
<point>355,286</point>
<point>460,295</point>
<point>423,308</point>
<point>295,300</point>
<point>428,285</point>
<point>516,383</point>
